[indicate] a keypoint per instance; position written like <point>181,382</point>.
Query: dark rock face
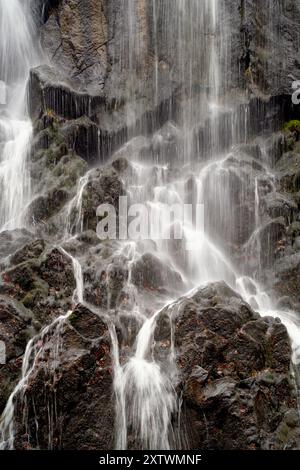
<point>283,274</point>
<point>41,279</point>
<point>12,241</point>
<point>66,401</point>
<point>287,277</point>
<point>288,168</point>
<point>271,51</point>
<point>234,373</point>
<point>150,273</point>
<point>75,36</point>
<point>110,81</point>
<point>49,89</point>
<point>16,328</point>
<point>105,188</point>
<point>272,239</point>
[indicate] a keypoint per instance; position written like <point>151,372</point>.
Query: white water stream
<point>145,394</point>
<point>18,53</point>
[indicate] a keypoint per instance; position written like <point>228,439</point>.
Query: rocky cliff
<point>112,89</point>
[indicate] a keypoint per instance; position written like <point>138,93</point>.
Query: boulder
<point>104,187</point>
<point>288,169</point>
<point>63,401</point>
<point>45,206</point>
<point>233,372</point>
<point>49,89</point>
<point>153,274</point>
<point>43,284</point>
<point>13,240</point>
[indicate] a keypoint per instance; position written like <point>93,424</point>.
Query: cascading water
<point>207,258</point>
<point>18,53</point>
<point>146,401</point>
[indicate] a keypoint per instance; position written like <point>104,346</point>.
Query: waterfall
<point>18,53</point>
<point>145,397</point>
<point>209,123</point>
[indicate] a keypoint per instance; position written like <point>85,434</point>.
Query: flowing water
<point>18,53</point>
<point>199,41</point>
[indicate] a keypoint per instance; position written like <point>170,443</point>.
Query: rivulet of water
<point>193,34</point>
<point>18,53</point>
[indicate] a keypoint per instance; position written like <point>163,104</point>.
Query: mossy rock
<point>69,170</point>
<point>39,290</point>
<point>292,126</point>
<point>74,317</point>
<point>32,297</point>
<point>55,154</point>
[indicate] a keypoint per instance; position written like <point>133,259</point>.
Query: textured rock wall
<point>108,78</point>
<point>89,41</point>
<point>118,63</point>
<point>272,39</point>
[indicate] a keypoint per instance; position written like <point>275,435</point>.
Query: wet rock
<point>252,149</point>
<point>50,89</point>
<point>286,303</point>
<point>75,36</point>
<point>57,271</point>
<point>117,276</point>
<point>66,399</point>
<point>280,205</point>
<point>106,276</point>
<point>28,252</point>
<point>134,149</point>
<point>259,37</point>
<point>13,240</point>
<point>167,143</point>
<point>275,146</point>
<point>17,326</point>
<point>104,187</point>
<point>151,273</point>
<point>44,284</point>
<point>43,207</point>
<point>293,231</point>
<point>288,168</point>
<point>234,372</point>
<point>272,240</point>
<point>287,276</point>
<point>84,137</point>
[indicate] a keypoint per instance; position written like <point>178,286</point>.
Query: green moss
<point>292,126</point>
<point>50,158</point>
<point>30,299</point>
<point>74,318</point>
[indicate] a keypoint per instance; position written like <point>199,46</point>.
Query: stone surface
<point>67,402</point>
<point>151,273</point>
<point>234,373</point>
<point>110,81</point>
